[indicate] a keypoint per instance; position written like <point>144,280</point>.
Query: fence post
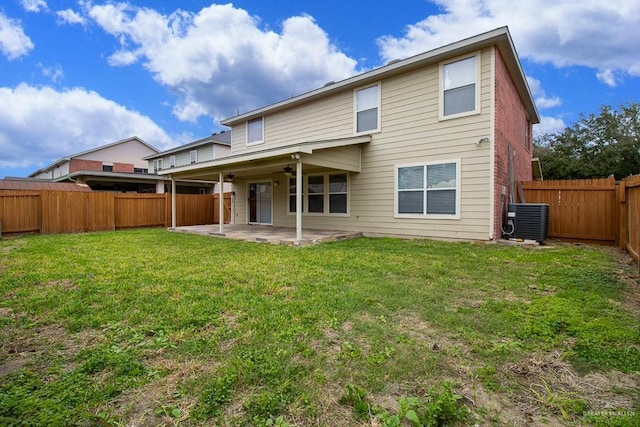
<point>623,215</point>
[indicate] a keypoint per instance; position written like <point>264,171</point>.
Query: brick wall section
<point>510,134</point>
<point>76,165</point>
<point>123,167</point>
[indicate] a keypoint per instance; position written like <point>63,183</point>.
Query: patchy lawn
<point>147,327</point>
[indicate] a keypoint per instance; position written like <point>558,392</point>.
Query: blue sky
<point>76,75</point>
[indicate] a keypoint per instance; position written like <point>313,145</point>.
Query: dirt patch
<point>63,285</point>
<point>550,385</point>
<point>151,404</point>
<point>13,244</point>
<point>11,366</point>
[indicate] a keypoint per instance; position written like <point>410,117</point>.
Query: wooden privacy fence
<point>50,212</point>
<point>593,210</point>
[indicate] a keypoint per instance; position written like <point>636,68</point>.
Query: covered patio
<point>268,234</point>
<point>268,190</point>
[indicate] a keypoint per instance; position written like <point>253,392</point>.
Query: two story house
<point>206,149</point>
<point>426,146</point>
<point>118,166</point>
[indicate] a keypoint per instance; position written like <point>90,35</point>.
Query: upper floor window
<point>255,131</point>
<point>193,156</point>
<point>107,168</point>
<point>367,102</point>
<point>460,87</point>
<point>141,170</point>
<point>157,164</point>
<point>172,161</point>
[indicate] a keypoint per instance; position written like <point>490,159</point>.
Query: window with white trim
<point>172,161</point>
<point>367,109</point>
<point>157,165</point>
<point>255,131</point>
<point>193,156</point>
<point>292,194</point>
<point>338,193</point>
<point>429,189</point>
<point>315,194</point>
<point>325,193</point>
<point>460,87</point>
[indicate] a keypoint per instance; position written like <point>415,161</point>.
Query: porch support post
<point>299,200</point>
<point>174,221</point>
<point>220,202</point>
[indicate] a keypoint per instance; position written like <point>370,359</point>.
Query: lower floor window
<point>428,189</point>
<point>322,193</point>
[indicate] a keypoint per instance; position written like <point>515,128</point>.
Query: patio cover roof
<point>263,161</point>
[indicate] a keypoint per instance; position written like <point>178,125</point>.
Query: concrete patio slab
<point>268,234</point>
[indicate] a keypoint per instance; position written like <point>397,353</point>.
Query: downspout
<point>173,203</point>
<point>298,198</point>
<point>220,203</point>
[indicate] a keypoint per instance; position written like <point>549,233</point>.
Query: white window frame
<point>356,111</point>
<point>441,90</point>
<point>193,156</point>
<point>309,194</point>
<point>256,142</point>
<point>325,193</point>
<point>172,161</point>
<point>329,193</point>
<point>425,215</point>
<point>157,165</point>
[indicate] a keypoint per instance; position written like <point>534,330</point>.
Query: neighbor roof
<point>222,138</point>
<point>82,153</point>
<point>499,37</point>
<point>24,184</point>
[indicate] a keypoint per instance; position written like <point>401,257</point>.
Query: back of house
<point>427,146</point>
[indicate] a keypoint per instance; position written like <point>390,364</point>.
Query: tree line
<point>596,146</point>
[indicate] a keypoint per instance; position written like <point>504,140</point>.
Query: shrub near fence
<point>50,212</point>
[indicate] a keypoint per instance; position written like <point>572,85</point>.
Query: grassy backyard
<point>148,327</point>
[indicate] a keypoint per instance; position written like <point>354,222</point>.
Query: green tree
<point>596,146</point>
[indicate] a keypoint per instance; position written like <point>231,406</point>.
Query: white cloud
<point>14,43</point>
<point>539,95</point>
<point>54,73</point>
<point>69,16</point>
<point>39,124</point>
<point>592,33</point>
<point>549,125</point>
<point>607,77</point>
<point>34,5</point>
<point>220,59</point>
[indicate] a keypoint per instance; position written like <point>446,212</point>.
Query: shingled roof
<point>9,184</point>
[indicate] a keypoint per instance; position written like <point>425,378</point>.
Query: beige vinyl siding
<point>411,133</point>
<point>327,118</point>
<point>205,153</point>
<point>342,158</point>
<point>221,151</point>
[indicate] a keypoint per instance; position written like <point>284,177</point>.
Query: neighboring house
<point>427,146</point>
<point>118,166</point>
<point>212,147</point>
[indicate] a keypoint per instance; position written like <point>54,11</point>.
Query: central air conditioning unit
<point>530,221</point>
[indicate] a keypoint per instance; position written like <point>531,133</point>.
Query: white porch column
<point>174,221</point>
<point>299,200</point>
<point>220,202</point>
